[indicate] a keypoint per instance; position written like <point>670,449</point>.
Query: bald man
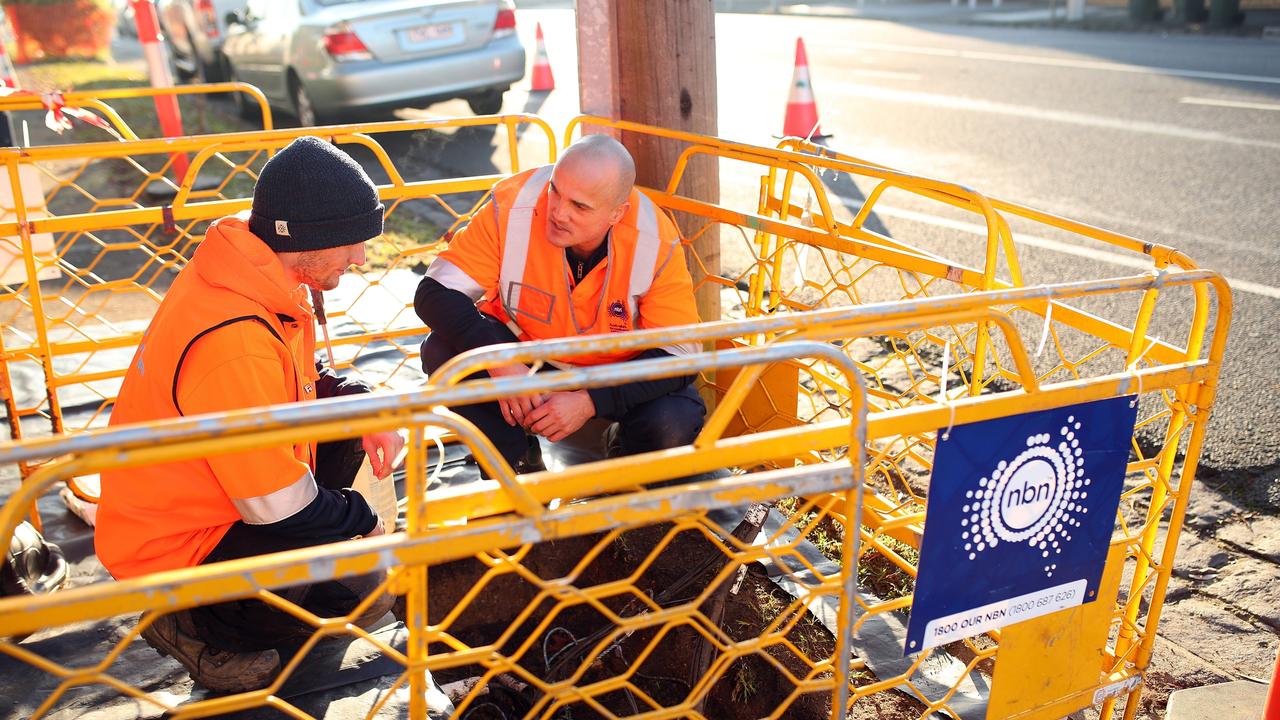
<point>566,250</point>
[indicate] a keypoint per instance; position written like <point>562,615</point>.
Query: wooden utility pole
<point>654,62</point>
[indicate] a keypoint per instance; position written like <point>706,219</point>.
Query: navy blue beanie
<point>313,196</point>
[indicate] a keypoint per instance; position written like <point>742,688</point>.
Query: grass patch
<point>80,75</point>
<point>883,576</point>
<point>404,241</point>
<point>201,115</point>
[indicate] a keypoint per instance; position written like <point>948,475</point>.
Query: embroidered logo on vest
<point>618,321</point>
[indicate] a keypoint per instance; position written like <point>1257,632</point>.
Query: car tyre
<point>215,71</point>
<point>303,108</point>
<point>488,102</point>
<point>246,107</point>
<point>180,76</point>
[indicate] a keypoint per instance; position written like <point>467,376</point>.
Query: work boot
<point>530,463</point>
<point>174,635</point>
<point>612,440</point>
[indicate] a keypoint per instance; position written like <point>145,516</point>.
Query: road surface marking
<point>1130,261</point>
<point>1054,62</point>
<point>885,74</point>
<point>1229,103</point>
<point>1024,111</point>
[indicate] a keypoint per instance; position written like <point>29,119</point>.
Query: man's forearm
<point>333,513</point>
<point>330,384</point>
<point>454,316</point>
<point>614,402</point>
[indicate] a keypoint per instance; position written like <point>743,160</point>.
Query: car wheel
<point>246,106</point>
<point>179,75</point>
<point>488,102</point>
<point>303,109</point>
<point>213,72</point>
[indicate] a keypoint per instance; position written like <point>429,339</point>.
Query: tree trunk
<point>660,58</point>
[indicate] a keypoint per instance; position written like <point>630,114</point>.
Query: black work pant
<point>664,422</point>
<point>249,625</point>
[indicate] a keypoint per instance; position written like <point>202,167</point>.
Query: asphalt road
<point>1173,139</point>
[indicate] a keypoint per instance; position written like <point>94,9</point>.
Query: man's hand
<point>561,415</point>
<point>378,529</point>
<point>382,449</point>
<point>516,410</point>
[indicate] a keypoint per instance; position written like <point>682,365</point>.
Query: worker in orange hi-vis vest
<point>236,330</point>
<point>567,250</point>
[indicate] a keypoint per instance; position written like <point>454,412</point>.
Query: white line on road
<point>1062,116</point>
<point>1057,62</point>
<point>1229,103</point>
<point>1129,261</point>
<point>885,74</point>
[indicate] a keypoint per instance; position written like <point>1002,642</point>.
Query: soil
<point>548,644</point>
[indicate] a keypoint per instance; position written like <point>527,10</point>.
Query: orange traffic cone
<point>802,111</point>
<point>542,77</point>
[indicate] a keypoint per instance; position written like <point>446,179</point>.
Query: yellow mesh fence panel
<point>845,349</point>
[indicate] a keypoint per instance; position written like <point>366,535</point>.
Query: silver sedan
<point>322,59</point>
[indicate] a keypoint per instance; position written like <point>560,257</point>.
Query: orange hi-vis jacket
<point>503,260</point>
<point>232,332</point>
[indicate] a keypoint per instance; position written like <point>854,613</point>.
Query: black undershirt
<point>579,267</point>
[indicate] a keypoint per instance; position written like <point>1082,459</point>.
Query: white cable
<point>1133,368</point>
<point>942,391</point>
<point>1044,332</point>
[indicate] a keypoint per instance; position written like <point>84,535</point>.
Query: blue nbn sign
<point>1019,519</point>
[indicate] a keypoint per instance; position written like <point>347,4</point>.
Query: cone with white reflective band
<point>542,78</point>
<point>802,111</point>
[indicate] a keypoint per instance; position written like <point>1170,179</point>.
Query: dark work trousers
<point>664,422</point>
<point>249,625</point>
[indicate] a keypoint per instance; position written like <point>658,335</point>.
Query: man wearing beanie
<point>567,250</point>
<point>235,331</point>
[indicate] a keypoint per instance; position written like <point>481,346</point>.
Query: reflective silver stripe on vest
<point>682,349</point>
<point>515,246</point>
<point>452,277</point>
<point>645,263</point>
<point>279,505</point>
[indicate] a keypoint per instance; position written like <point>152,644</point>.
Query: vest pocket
<point>530,302</point>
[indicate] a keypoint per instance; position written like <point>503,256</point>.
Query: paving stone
<point>1258,534</point>
<point>1206,628</point>
<point>1240,700</point>
<point>1200,559</point>
<point>1207,508</point>
<point>1250,584</point>
<point>1172,668</point>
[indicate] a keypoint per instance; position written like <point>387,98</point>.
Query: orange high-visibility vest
<point>232,332</point>
<point>503,260</point>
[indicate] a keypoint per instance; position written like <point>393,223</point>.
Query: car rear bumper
<point>370,84</point>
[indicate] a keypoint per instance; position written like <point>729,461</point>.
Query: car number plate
<point>428,34</point>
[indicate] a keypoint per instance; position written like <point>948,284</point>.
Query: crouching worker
<point>564,251</point>
<point>234,331</point>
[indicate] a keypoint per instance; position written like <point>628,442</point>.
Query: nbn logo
<point>1032,499</point>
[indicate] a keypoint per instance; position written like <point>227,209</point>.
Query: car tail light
<point>505,23</point>
<point>343,44</point>
<point>207,16</point>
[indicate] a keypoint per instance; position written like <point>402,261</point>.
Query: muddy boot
<point>531,462</point>
<point>174,635</point>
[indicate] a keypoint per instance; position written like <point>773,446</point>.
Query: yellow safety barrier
<point>250,102</point>
<point>104,251</point>
<point>841,329</point>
